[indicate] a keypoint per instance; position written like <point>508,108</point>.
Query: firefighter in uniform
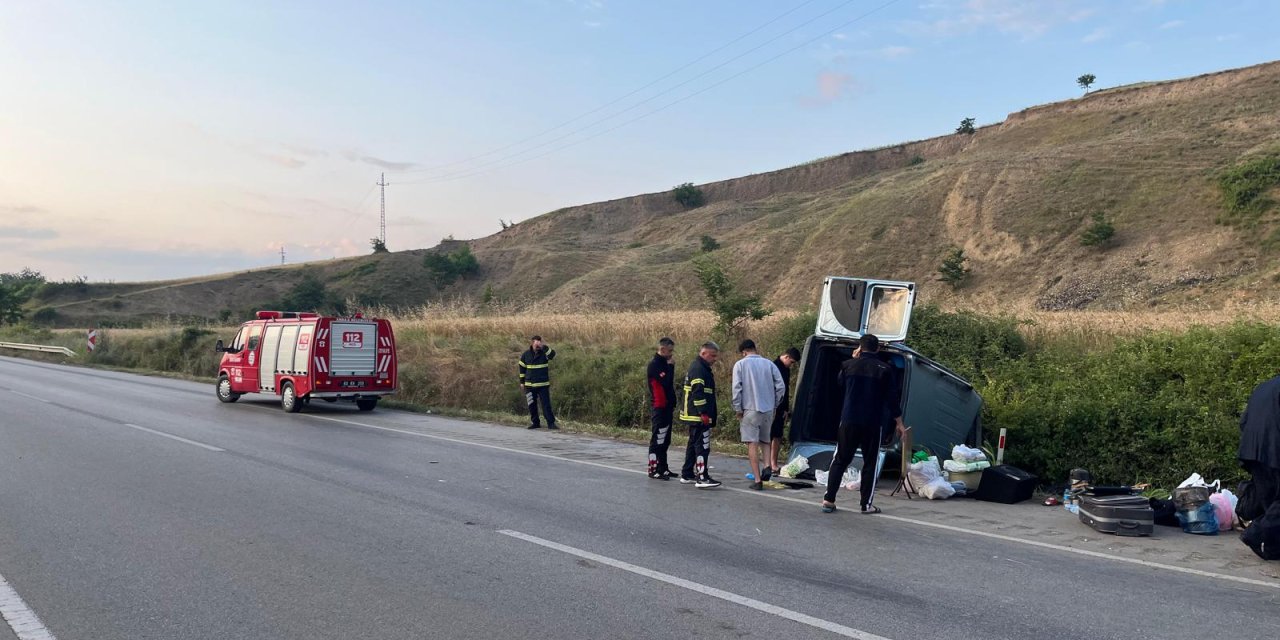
<point>535,381</point>
<point>698,412</point>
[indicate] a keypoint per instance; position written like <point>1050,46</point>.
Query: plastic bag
<point>1200,521</point>
<point>849,481</point>
<point>1195,480</point>
<point>965,455</point>
<point>938,489</point>
<point>1222,511</point>
<point>796,467</point>
<point>922,473</point>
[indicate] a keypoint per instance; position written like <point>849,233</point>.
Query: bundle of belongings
<point>965,468</point>
<point>1197,507</point>
<point>926,478</point>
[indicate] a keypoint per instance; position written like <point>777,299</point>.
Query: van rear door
<point>353,349</point>
<point>853,307</point>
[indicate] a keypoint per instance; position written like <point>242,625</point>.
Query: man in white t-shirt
<point>758,389</point>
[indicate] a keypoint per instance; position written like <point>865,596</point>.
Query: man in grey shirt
<point>758,389</point>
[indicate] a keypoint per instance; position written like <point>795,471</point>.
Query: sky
<point>146,140</point>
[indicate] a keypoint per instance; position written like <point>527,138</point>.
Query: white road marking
<point>814,504</point>
<point>727,596</point>
<point>27,395</point>
<point>173,437</point>
<point>24,622</point>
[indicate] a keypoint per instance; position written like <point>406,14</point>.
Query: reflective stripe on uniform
<point>537,384</point>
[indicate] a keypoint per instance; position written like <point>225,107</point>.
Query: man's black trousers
<point>543,395</point>
<point>660,439</point>
<point>850,439</point>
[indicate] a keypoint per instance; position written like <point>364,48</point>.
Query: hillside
<point>1015,196</point>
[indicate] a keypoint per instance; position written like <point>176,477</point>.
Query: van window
<point>255,336</point>
<point>239,341</point>
<point>888,313</point>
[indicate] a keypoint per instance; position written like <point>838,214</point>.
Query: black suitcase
<point>1121,515</point>
<point>1005,484</point>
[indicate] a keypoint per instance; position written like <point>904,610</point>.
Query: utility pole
<point>382,222</point>
<point>281,254</point>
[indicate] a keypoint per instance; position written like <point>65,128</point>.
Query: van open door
<point>853,307</point>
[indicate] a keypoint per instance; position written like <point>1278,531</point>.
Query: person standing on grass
<point>535,381</point>
<point>758,389</point>
<point>784,363</point>
<point>662,407</point>
<point>870,393</point>
<point>698,412</point>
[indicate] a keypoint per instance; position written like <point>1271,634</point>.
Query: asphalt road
<point>134,507</point>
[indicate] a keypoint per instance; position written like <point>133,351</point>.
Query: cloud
<point>28,233</point>
<point>287,162</point>
<point>592,24</point>
<point>832,85</point>
<point>894,51</point>
<point>387,164</point>
<point>1026,19</point>
<point>1173,24</point>
<point>23,209</point>
<point>1097,34</point>
<point>305,151</point>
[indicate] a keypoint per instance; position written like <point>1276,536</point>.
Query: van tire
<point>366,404</point>
<point>223,390</point>
<point>289,400</point>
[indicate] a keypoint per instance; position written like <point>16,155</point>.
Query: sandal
<point>871,510</point>
<point>828,507</point>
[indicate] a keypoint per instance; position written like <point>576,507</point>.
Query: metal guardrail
<point>37,347</point>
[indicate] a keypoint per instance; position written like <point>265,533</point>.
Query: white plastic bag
<point>922,473</point>
<point>1195,480</point>
<point>965,455</point>
<point>794,468</point>
<point>938,489</point>
<point>821,477</point>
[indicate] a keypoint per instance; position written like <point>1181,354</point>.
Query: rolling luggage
<point>1121,515</point>
<point>1005,484</point>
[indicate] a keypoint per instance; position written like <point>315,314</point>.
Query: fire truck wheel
<point>366,404</point>
<point>225,394</point>
<point>289,399</point>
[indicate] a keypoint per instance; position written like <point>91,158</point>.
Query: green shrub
<point>1099,233</point>
<point>1244,188</point>
<point>915,161</point>
<point>708,244</point>
<point>966,127</point>
<point>965,342</point>
<point>45,315</point>
<point>953,269</point>
<point>689,196</point>
<point>446,268</point>
<point>732,307</point>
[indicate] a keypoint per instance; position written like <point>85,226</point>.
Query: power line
<point>487,167</point>
<point>621,98</point>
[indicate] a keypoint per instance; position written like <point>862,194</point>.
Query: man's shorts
<point>756,425</point>
<point>779,424</point>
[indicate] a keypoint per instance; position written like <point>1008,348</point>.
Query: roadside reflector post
<point>1000,447</point>
<point>93,340</point>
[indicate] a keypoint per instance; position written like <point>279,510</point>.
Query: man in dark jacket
<point>535,381</point>
<point>869,395</point>
<point>1260,446</point>
<point>698,412</point>
<point>662,407</point>
<point>784,363</point>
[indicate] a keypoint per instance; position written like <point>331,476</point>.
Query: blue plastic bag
<point>1200,521</point>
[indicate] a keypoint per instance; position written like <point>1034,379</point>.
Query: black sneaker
<point>535,426</point>
<point>765,474</point>
<point>706,482</point>
<point>684,480</point>
<point>553,427</point>
<point>660,475</point>
<point>758,486</point>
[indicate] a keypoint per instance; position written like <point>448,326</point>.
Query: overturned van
<point>941,408</point>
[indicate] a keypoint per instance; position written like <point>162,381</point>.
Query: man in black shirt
<point>784,363</point>
<point>870,394</point>
<point>662,406</point>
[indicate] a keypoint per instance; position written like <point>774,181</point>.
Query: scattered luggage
<point>1123,515</point>
<point>1263,536</point>
<point>1249,506</point>
<point>1005,484</point>
<point>1195,512</point>
<point>1166,514</point>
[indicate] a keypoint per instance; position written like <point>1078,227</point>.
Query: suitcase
<point>1005,484</point>
<point>1121,515</point>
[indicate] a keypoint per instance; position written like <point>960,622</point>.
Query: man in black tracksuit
<point>870,394</point>
<point>535,381</point>
<point>662,403</point>
<point>698,412</point>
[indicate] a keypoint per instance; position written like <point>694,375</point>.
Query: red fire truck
<point>300,356</point>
